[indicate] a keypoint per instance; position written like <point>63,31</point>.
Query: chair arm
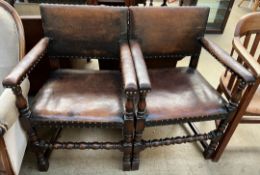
<point>8,111</point>
<point>246,57</point>
<point>224,58</point>
<point>140,66</point>
<point>20,71</point>
<point>127,68</point>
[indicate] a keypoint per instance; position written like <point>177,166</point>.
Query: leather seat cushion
<point>182,93</point>
<point>76,95</point>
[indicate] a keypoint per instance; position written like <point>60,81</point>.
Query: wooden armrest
<point>20,71</point>
<point>246,57</point>
<point>140,67</point>
<point>127,68</point>
<point>224,58</point>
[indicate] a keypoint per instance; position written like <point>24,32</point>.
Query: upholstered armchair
<point>79,98</point>
<point>179,95</point>
<point>13,140</point>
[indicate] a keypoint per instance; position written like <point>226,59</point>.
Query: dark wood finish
<point>249,105</point>
<point>117,107</point>
<point>173,107</point>
<point>34,33</point>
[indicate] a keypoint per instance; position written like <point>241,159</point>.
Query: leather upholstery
<point>78,98</point>
<point>127,67</point>
<point>86,96</point>
<point>84,31</point>
<point>182,93</point>
<point>141,69</point>
<point>167,27</point>
<point>26,64</point>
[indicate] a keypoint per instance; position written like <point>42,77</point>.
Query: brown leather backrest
<point>167,31</point>
<point>84,31</point>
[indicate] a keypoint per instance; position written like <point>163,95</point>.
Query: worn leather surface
<point>85,96</point>
<point>128,68</point>
<point>168,31</point>
<point>141,69</point>
<point>223,57</point>
<point>181,93</point>
<point>90,31</point>
<point>27,63</point>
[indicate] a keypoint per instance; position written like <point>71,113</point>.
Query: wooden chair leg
<point>138,147</point>
<point>228,126</point>
<point>137,150</point>
<point>151,3</point>
<point>127,157</point>
<point>164,3</point>
<point>128,141</point>
<point>42,161</point>
<point>208,153</point>
<point>225,139</point>
<point>25,113</point>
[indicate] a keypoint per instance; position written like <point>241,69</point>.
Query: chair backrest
<point>246,50</point>
<point>168,32</point>
<point>249,27</point>
<point>12,44</point>
<point>59,1</point>
<point>84,31</point>
<point>247,35</point>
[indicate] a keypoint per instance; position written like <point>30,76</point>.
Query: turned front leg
<point>139,128</point>
<point>128,131</point>
<point>232,108</point>
<point>25,115</point>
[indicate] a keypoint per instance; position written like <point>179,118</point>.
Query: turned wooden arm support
<point>224,58</point>
<point>140,67</point>
<point>24,67</point>
<point>128,69</point>
<point>246,57</point>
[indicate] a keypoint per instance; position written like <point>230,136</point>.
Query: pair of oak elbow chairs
<point>135,97</point>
